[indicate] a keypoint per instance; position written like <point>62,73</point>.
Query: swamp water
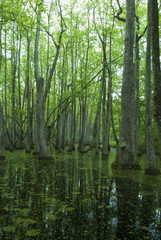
<point>76,197</point>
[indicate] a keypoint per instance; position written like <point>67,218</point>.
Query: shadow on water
<point>76,197</point>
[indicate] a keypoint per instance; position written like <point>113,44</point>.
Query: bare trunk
<point>28,147</point>
<point>96,126</point>
<point>20,135</point>
<point>42,95</point>
<point>104,112</point>
<point>126,158</point>
<point>151,165</point>
<point>13,56</point>
<point>156,68</point>
<point>2,142</point>
<point>40,120</point>
<point>6,111</point>
<point>137,109</point>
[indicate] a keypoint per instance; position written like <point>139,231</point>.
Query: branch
<point>141,35</point>
<point>119,13</point>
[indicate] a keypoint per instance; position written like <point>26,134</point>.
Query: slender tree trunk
<point>20,135</point>
<point>72,143</point>
<point>96,128</point>
<point>54,103</point>
<point>13,56</point>
<point>137,109</point>
<point>40,120</point>
<point>109,105</point>
<point>28,147</point>
<point>0,46</point>
<point>6,112</point>
<point>104,113</point>
<point>88,133</point>
<point>151,165</point>
<point>2,142</point>
<point>84,98</point>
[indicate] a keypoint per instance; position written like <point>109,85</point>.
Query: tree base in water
<point>84,151</point>
<point>35,153</point>
<point>46,158</point>
<point>20,148</point>
<point>28,151</point>
<point>152,171</point>
<point>139,154</point>
<point>126,166</point>
<point>70,149</point>
<point>2,157</point>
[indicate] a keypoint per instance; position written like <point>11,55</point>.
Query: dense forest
<point>81,75</point>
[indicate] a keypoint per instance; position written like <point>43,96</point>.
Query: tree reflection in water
<point>74,197</point>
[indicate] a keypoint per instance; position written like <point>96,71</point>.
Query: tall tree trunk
<point>28,147</point>
<point>0,46</point>
<point>109,103</point>
<point>72,140</point>
<point>151,165</point>
<point>104,113</point>
<point>96,127</point>
<point>20,135</point>
<point>42,94</point>
<point>13,60</point>
<point>125,155</point>
<point>156,68</point>
<point>84,101</point>
<point>2,142</point>
<point>40,115</point>
<point>137,109</point>
<point>6,112</point>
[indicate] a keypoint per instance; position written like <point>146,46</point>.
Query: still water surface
<point>76,197</point>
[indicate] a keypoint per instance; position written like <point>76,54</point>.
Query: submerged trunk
<point>96,127</point>
<point>40,114</point>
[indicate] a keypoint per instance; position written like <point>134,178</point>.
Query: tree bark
<point>151,164</point>
<point>125,154</point>
<point>29,141</point>
<point>2,142</point>
<point>42,94</point>
<point>20,135</point>
<point>156,68</point>
<point>14,66</point>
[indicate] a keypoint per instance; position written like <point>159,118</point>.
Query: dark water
<point>76,197</point>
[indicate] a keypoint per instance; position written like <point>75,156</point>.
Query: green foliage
<point>20,18</point>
